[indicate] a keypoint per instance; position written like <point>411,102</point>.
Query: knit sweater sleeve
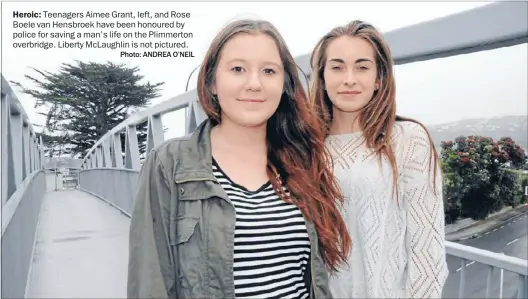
<point>425,235</point>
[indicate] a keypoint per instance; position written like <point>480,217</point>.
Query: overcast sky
<point>485,84</point>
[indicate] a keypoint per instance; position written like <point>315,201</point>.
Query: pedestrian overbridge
<point>65,221</point>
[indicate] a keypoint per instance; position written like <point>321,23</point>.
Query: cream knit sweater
<point>398,245</point>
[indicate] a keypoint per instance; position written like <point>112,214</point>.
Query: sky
<point>483,84</point>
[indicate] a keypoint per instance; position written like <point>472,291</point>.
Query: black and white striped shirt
<point>272,247</point>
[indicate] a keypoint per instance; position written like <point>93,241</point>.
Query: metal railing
<point>21,149</point>
<point>107,152</point>
<point>494,261</point>
<point>22,188</point>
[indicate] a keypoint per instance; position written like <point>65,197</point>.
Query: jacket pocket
<point>197,189</point>
<point>186,213</point>
<point>184,229</point>
<point>186,245</point>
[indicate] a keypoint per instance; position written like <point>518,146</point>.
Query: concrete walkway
<point>81,249</point>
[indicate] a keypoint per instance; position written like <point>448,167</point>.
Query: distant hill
<point>513,126</point>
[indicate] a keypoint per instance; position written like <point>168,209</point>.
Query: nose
<point>254,82</point>
<point>350,78</point>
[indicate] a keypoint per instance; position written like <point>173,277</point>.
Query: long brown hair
<point>377,118</point>
<point>297,156</point>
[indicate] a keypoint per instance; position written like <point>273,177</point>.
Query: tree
<point>511,189</point>
<point>516,153</point>
<point>55,145</point>
<point>474,168</point>
<point>452,193</point>
<point>86,100</point>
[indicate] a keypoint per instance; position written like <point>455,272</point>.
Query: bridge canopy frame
<point>489,27</point>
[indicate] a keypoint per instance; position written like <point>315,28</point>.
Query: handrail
<point>22,152</point>
<point>11,206</point>
<point>15,103</point>
<point>508,263</point>
<point>175,103</point>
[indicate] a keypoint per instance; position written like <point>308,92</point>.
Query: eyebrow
<point>245,61</point>
<point>357,61</point>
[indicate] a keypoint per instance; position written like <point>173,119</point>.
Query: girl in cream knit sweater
<point>387,168</point>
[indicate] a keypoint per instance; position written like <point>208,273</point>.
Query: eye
<point>269,71</point>
<point>335,67</point>
<point>363,67</point>
<point>237,69</point>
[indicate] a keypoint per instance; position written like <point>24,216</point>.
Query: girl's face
<point>350,73</point>
<point>249,79</point>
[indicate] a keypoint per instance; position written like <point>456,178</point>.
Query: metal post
<point>462,286</point>
<point>489,282</point>
<point>501,281</point>
<point>522,286</point>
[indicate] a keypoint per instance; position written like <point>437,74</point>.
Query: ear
<point>213,89</point>
<point>377,85</point>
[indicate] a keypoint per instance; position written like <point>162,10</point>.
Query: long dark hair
<point>377,118</point>
<point>297,156</point>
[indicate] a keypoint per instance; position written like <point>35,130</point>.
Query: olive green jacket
<point>182,227</point>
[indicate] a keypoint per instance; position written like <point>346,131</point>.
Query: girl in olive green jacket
<point>245,207</point>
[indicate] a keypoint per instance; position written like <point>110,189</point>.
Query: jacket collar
<point>195,163</point>
<point>196,155</point>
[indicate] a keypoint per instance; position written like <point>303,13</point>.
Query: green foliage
<point>523,177</point>
<point>479,176</point>
<point>86,100</point>
<point>511,190</point>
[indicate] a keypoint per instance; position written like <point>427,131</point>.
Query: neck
<point>344,122</point>
<point>240,139</point>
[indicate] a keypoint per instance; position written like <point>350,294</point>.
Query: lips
<point>350,92</point>
<point>251,100</point>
